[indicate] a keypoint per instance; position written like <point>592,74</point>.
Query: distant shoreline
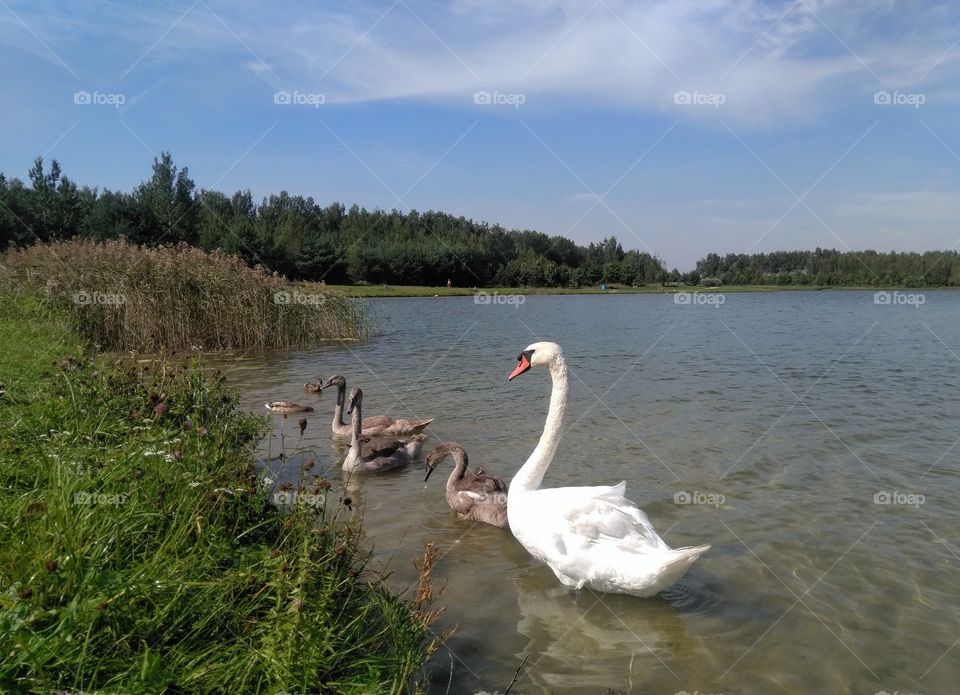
<point>393,291</point>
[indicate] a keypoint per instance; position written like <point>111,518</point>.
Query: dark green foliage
<point>829,267</point>
<point>303,240</point>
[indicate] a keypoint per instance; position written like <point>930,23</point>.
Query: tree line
<point>829,267</point>
<point>302,239</point>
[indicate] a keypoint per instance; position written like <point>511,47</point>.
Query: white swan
<point>589,536</point>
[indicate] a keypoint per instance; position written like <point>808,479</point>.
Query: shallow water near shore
<point>810,438</point>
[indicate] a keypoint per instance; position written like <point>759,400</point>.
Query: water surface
<point>783,416</point>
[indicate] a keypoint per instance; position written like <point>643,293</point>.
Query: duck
<point>315,386</point>
<point>376,455</point>
<point>287,407</point>
<point>373,426</point>
<point>591,536</point>
<point>478,496</point>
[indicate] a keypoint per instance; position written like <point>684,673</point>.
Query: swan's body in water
<point>380,454</point>
<point>589,536</point>
<point>373,426</point>
<point>477,496</point>
<point>286,407</point>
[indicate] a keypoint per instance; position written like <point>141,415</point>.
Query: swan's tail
<point>677,566</point>
<point>418,426</point>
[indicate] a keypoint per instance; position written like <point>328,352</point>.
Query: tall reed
<point>173,298</point>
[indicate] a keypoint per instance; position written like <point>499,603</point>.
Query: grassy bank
<point>415,291</point>
<point>126,297</point>
<point>138,555</point>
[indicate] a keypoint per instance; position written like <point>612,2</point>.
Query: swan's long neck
<point>338,410</point>
<point>459,469</point>
<point>356,419</point>
<point>531,473</point>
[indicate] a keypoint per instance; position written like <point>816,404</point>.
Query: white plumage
<point>589,536</point>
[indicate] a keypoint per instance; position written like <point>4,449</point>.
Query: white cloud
<point>773,63</point>
<point>770,64</point>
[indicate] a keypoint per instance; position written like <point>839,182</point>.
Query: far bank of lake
<point>383,291</point>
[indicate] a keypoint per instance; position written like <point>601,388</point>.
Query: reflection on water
<point>799,409</point>
<point>580,640</point>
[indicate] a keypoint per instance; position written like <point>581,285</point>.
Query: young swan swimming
<point>373,426</point>
<point>475,496</point>
<point>287,407</point>
<point>380,454</point>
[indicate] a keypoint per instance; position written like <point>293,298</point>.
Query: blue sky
<point>680,127</point>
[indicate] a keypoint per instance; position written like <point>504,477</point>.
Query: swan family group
<point>590,536</point>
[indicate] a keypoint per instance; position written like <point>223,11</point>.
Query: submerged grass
<point>121,296</point>
<point>138,554</point>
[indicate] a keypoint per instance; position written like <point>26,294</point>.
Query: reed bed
<point>126,297</point>
<point>139,554</point>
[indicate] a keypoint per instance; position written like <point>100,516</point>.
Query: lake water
<point>815,434</point>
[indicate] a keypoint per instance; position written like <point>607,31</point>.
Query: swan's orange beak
<point>523,366</point>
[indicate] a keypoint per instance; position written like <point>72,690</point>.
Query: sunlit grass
<point>139,554</point>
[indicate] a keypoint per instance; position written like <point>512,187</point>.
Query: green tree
<point>170,210</point>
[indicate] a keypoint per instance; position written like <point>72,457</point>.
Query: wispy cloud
<point>771,62</point>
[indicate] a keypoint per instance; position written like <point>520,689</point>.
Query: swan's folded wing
<point>481,481</point>
<point>603,514</point>
<point>372,422</point>
<point>381,446</point>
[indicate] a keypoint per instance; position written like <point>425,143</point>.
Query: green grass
<point>138,553</point>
